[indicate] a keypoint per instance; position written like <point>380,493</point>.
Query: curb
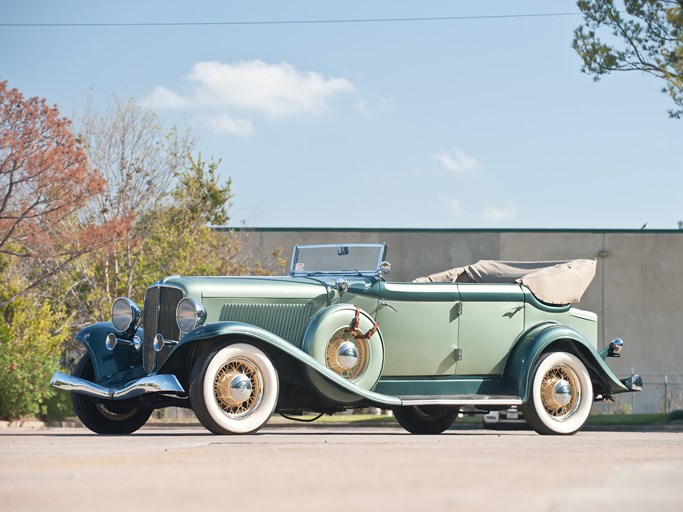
<point>27,424</point>
<point>673,426</point>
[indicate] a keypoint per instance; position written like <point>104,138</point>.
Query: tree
<point>31,337</point>
<point>646,36</point>
<point>46,187</point>
<point>181,240</point>
<point>201,193</point>
<point>45,183</point>
<point>86,219</point>
<point>171,198</point>
<point>139,160</point>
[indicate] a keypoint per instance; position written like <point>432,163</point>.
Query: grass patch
<point>628,419</point>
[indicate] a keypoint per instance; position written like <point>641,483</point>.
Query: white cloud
<point>383,106</point>
<point>161,97</point>
<point>507,212</point>
<point>454,206</point>
<point>276,90</point>
<point>225,123</point>
<point>456,161</point>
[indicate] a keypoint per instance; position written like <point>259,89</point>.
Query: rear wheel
<point>426,419</point>
<point>561,395</point>
<point>233,389</point>
<point>106,416</point>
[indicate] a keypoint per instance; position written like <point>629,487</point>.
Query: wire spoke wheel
<point>561,395</point>
<point>238,387</point>
<point>351,366</point>
<point>233,389</point>
<point>560,392</point>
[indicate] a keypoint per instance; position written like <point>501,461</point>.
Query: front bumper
<point>150,384</point>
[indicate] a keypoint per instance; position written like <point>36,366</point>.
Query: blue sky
<point>469,123</point>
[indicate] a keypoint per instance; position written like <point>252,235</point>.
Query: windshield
<point>337,259</point>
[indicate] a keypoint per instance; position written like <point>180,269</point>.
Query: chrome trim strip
<point>464,400</point>
<point>150,384</point>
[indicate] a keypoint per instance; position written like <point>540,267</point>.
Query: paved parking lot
<point>329,468</point>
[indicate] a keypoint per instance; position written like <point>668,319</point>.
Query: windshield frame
<point>296,270</point>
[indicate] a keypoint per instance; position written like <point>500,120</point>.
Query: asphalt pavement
<point>332,468</point>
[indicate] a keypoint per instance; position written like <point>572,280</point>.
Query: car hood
<point>268,287</point>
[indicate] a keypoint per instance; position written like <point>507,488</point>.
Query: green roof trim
<point>450,230</point>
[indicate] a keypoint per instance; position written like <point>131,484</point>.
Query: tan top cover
<point>553,282</point>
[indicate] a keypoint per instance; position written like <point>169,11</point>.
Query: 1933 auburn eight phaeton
<point>334,335</point>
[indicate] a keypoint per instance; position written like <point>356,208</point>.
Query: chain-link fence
<point>662,393</point>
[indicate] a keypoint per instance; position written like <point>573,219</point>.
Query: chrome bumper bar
<point>151,384</point>
<point>633,383</point>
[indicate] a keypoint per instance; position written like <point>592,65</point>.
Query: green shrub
<point>29,355</point>
<point>59,406</point>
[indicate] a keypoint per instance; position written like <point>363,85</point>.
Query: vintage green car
<point>334,334</point>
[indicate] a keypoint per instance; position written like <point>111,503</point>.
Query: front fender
<point>551,336</point>
<point>107,363</point>
<point>233,330</point>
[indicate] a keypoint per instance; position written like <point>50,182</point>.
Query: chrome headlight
<point>189,314</point>
<point>124,314</point>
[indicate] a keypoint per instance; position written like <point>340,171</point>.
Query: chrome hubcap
<point>347,355</point>
<point>563,392</point>
<point>240,388</point>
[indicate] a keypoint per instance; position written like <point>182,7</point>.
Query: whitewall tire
<point>234,389</point>
<point>561,395</point>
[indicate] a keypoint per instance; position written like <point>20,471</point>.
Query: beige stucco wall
<point>637,291</point>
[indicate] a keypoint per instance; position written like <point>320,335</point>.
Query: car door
<point>419,326</point>
<point>491,319</point>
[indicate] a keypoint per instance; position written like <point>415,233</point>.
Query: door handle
<point>386,305</point>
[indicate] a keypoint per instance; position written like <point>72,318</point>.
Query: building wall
<point>637,291</point>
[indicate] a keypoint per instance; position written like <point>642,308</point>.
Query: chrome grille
<point>159,318</point>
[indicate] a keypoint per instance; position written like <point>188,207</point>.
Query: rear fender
<point>225,331</point>
<point>551,337</point>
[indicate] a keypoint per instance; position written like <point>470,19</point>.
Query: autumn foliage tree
<point>45,183</point>
<point>85,219</point>
<point>45,186</point>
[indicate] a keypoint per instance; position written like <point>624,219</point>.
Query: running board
<point>461,400</point>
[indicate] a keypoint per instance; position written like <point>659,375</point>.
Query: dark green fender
<point>220,331</point>
<point>108,363</point>
<point>526,352</point>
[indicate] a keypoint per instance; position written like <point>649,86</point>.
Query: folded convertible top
<point>552,282</point>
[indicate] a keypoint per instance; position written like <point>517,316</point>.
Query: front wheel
<point>106,416</point>
<point>561,395</point>
<point>426,419</point>
<point>233,389</point>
